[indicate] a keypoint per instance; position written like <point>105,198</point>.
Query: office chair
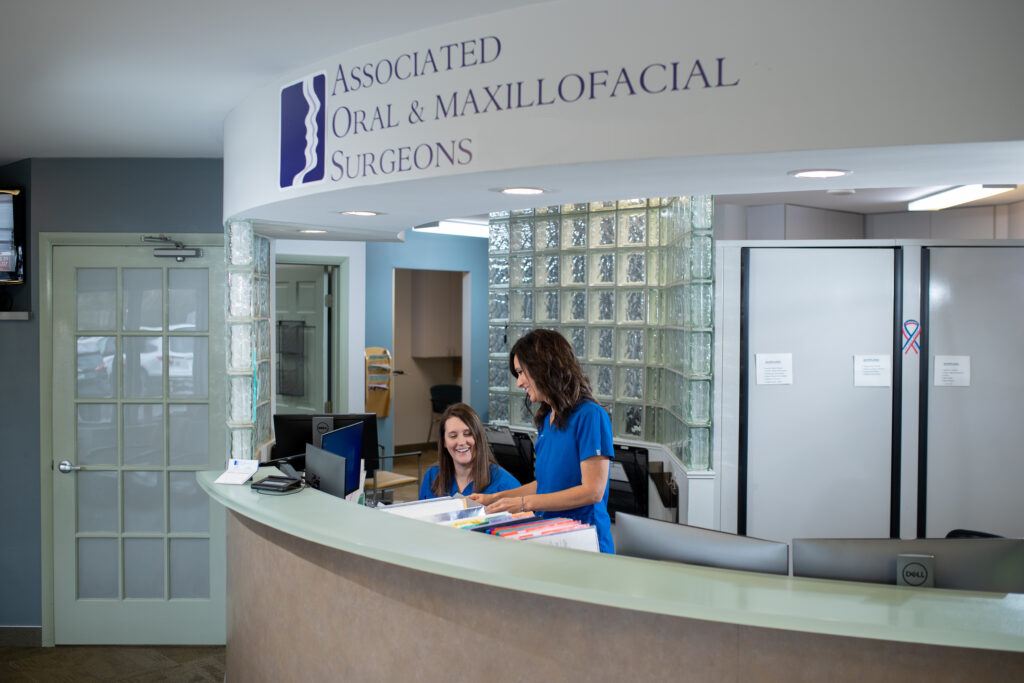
<point>441,396</point>
<point>970,533</point>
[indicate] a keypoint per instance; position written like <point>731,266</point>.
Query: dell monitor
<point>657,540</point>
<point>293,431</point>
<point>979,564</point>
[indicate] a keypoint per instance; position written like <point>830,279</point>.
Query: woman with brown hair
<point>574,438</point>
<point>465,463</point>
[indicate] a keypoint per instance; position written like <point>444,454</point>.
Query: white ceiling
<point>143,78</point>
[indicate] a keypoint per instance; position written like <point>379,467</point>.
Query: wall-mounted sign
<point>872,371</point>
<point>952,371</point>
<point>774,368</point>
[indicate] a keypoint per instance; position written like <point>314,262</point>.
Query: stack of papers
<point>462,513</point>
<point>557,531</point>
<point>429,510</point>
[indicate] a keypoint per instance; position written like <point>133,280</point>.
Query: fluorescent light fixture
<point>457,228</point>
<point>360,213</point>
<point>522,190</point>
<point>311,231</point>
<point>957,195</point>
<point>819,173</point>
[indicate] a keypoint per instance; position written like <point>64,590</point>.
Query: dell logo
<point>915,574</point>
<point>303,131</point>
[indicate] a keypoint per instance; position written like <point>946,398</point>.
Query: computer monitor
<point>627,481</point>
<point>981,564</point>
<point>347,442</point>
<point>655,539</point>
<point>512,450</point>
<point>293,431</point>
<point>326,471</point>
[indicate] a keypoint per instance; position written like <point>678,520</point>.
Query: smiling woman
<point>465,462</point>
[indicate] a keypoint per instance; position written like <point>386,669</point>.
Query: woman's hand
<point>507,504</point>
<point>482,498</point>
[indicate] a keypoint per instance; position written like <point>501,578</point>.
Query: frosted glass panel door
<point>975,471</point>
<point>301,338</point>
<point>819,447</point>
<point>138,409</point>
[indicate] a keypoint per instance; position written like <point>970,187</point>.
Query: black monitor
<point>657,540</point>
<point>512,450</point>
<point>326,471</point>
<point>980,564</point>
<point>293,431</point>
<point>627,481</point>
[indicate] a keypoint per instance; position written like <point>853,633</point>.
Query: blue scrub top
<point>588,432</point>
<point>501,480</point>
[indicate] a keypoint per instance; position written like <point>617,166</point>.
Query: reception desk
<point>321,590</point>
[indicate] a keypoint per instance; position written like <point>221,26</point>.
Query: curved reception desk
<point>322,590</point>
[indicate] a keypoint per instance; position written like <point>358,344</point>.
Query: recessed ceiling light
<point>522,190</point>
<point>311,231</point>
<point>819,173</point>
<point>360,213</point>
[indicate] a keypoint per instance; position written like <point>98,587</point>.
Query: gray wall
<point>73,195</point>
<point>790,222</point>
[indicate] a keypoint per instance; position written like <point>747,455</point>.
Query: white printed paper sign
<point>952,371</point>
<point>774,368</point>
<point>872,371</point>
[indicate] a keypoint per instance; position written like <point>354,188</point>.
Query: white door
<point>138,409</point>
<point>974,471</point>
<point>819,444</point>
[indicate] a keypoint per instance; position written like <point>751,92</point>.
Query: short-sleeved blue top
<point>587,433</point>
<point>501,480</point>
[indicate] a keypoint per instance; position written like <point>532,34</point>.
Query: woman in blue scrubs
<point>574,438</point>
<point>465,463</point>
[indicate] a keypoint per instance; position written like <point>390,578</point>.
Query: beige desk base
<point>298,610</point>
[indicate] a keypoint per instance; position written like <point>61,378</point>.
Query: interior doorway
<point>302,325</point>
<point>427,348</point>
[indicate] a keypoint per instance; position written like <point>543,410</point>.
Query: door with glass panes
<point>138,409</point>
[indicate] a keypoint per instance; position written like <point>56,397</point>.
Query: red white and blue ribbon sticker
<point>911,332</point>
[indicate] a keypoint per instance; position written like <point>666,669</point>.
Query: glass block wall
<point>629,284</point>
<point>248,321</point>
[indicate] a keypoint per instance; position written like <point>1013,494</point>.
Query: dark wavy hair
<point>482,456</point>
<point>550,362</point>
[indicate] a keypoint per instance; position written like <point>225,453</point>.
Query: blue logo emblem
<point>303,130</point>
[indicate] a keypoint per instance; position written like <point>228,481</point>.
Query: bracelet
<point>522,503</point>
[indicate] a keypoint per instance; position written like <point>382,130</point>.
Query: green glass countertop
<point>915,615</point>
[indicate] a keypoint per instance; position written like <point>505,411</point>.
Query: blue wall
<point>425,251</point>
<point>73,195</point>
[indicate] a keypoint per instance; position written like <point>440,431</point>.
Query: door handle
<point>65,466</point>
<point>398,372</point>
